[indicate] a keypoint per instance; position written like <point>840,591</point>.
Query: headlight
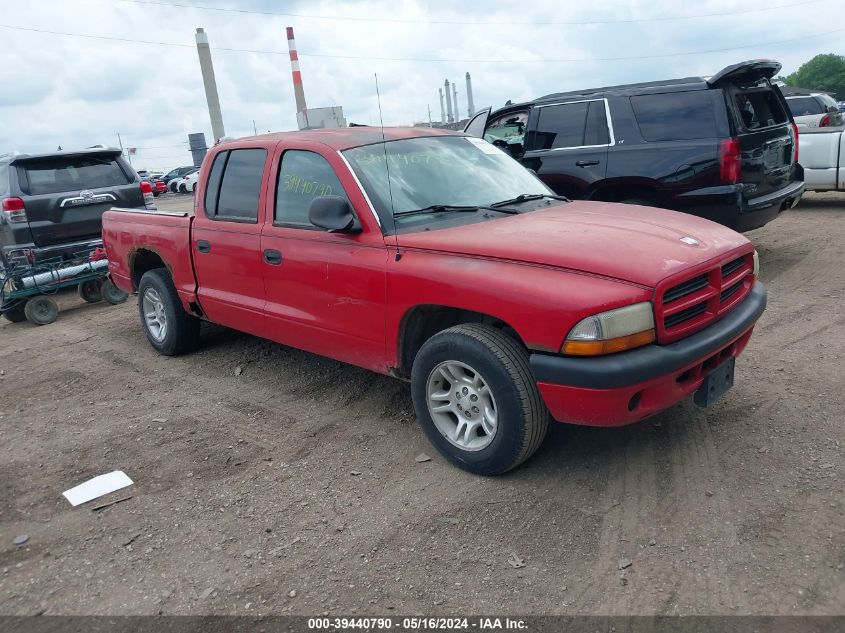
<point>756,269</point>
<point>612,331</point>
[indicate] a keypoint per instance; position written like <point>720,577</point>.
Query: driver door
<point>325,291</point>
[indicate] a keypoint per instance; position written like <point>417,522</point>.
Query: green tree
<point>824,72</point>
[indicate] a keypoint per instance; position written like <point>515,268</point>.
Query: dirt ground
<point>271,481</point>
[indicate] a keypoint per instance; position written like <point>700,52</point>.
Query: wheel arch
<point>421,322</point>
<point>142,260</point>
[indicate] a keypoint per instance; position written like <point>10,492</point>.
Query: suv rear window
<point>802,106</point>
<point>675,116</point>
<point>760,109</point>
<point>72,173</point>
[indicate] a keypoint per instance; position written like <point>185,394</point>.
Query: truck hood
<point>641,245</point>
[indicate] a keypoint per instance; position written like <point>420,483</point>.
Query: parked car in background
<point>179,184</point>
<point>814,110</point>
<point>724,148</point>
<point>178,173</point>
<point>457,269</point>
<point>52,204</point>
<point>823,158</point>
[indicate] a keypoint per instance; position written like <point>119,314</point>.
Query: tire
<point>496,361</point>
<point>16,314</point>
<point>183,188</point>
<point>112,294</point>
<point>90,291</point>
<point>41,310</point>
<point>171,186</point>
<point>157,298</point>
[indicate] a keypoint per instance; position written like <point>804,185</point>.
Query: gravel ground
<point>268,480</point>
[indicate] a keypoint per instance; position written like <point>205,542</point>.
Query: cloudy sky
<point>60,88</point>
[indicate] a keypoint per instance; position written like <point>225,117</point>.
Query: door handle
<point>586,163</point>
<point>272,257</point>
<point>203,246</point>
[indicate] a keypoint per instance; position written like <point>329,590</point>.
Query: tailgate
<point>66,196</point>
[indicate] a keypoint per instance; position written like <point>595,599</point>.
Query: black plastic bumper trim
<point>640,365</point>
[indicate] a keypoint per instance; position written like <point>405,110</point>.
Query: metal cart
<point>26,287</point>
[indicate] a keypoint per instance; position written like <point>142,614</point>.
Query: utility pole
<point>254,129</point>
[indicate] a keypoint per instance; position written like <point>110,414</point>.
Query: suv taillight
<point>825,121</point>
<point>795,140</point>
<point>147,192</point>
<point>730,167</point>
<point>14,210</point>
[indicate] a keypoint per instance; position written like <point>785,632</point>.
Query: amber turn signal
<point>610,346</point>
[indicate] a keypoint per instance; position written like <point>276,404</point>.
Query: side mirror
<point>334,214</point>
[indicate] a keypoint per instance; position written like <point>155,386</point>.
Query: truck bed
<point>822,153</point>
<point>132,234</point>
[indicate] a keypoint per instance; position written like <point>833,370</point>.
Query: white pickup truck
<point>822,154</point>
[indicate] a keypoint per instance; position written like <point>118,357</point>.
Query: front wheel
<point>476,399</point>
<point>169,329</point>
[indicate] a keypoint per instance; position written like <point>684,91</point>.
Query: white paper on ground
<point>97,487</point>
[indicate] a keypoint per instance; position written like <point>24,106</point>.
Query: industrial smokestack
<point>455,101</point>
<point>298,91</point>
<point>470,104</point>
<point>449,116</point>
<point>442,107</point>
<point>207,70</point>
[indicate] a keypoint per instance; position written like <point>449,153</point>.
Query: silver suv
<point>815,110</point>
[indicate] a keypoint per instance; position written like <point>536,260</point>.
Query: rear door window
<point>240,186</point>
<point>804,106</point>
<point>60,174</point>
<point>559,126</point>
<point>675,116</point>
<point>760,109</point>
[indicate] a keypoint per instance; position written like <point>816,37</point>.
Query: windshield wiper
<point>525,197</point>
<point>452,208</point>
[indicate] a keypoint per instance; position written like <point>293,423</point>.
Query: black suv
<point>52,204</point>
<point>724,148</point>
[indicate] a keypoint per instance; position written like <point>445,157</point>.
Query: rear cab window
<point>71,173</point>
<point>234,185</point>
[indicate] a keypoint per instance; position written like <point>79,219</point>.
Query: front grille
<point>688,305</point>
<point>686,288</point>
<point>732,267</point>
<point>685,315</point>
<point>729,292</point>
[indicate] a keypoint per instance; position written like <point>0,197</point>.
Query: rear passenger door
<point>226,239</point>
<point>567,145</point>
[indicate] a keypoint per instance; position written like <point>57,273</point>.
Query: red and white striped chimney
<point>298,91</point>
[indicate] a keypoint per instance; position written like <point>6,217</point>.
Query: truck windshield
<point>437,171</point>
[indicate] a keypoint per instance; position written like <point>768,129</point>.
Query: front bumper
<point>623,388</point>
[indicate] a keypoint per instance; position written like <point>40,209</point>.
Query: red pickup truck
<point>435,257</point>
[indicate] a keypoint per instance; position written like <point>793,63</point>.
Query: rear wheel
<point>477,400</point>
<point>16,314</point>
<point>90,291</point>
<point>169,329</point>
<point>41,310</point>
